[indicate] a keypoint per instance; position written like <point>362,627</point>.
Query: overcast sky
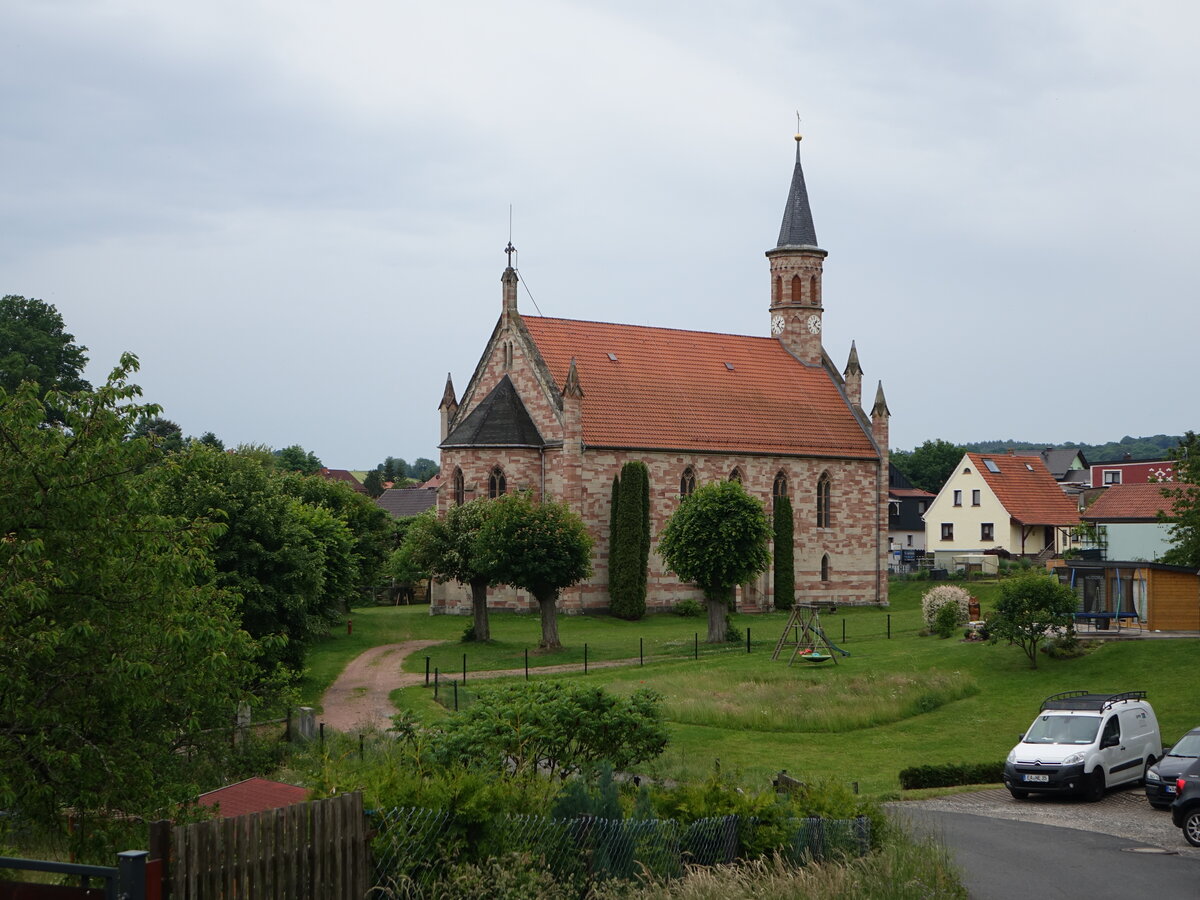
<point>295,212</point>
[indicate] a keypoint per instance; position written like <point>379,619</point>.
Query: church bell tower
<point>796,266</point>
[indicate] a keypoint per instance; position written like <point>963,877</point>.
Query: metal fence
<point>413,849</point>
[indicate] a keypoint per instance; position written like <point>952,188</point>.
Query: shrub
<point>951,775</point>
<point>945,620</point>
<point>732,634</point>
<point>939,596</point>
<point>689,609</point>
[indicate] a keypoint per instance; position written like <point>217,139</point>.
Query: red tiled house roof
<point>1026,489</point>
<point>253,795</point>
<point>667,389</point>
<point>1130,502</point>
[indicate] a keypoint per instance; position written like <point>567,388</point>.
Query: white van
<point>1083,743</point>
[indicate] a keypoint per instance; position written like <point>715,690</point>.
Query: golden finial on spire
<point>799,136</point>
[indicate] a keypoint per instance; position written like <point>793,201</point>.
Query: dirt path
<point>359,697</point>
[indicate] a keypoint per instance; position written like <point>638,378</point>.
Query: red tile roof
<point>253,795</point>
<point>1130,501</point>
<point>343,475</point>
<point>665,389</point>
<point>910,492</point>
<point>1026,489</point>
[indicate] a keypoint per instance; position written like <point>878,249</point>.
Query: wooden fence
<point>310,851</point>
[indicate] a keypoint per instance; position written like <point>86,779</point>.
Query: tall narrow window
<point>975,498</point>
<point>736,475</point>
<point>687,482</point>
<point>780,487</point>
<point>777,289</point>
<point>825,567</point>
<point>958,498</point>
<point>460,489</point>
<point>814,291</point>
<point>797,290</point>
<point>823,495</point>
<point>497,484</point>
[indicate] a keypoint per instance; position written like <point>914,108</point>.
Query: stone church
<point>557,406</point>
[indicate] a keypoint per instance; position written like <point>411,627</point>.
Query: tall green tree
<point>1030,609</point>
<point>1184,494</point>
<point>164,434</point>
<point>34,346</point>
<point>626,568</point>
<point>449,549</point>
<point>296,459</point>
<point>373,482</point>
<point>929,465</point>
<point>538,547</point>
<point>372,531</point>
<point>117,649</point>
<point>717,539</point>
<point>422,469</point>
<point>285,561</point>
<point>785,553</point>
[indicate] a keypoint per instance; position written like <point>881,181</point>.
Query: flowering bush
<point>943,595</point>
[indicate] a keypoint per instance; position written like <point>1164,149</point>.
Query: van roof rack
<point>1086,700</point>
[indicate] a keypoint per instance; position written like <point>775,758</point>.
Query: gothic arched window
<point>777,289</point>
<point>687,482</point>
<point>823,511</point>
<point>736,475</point>
<point>780,487</point>
<point>814,291</point>
<point>497,485</point>
<point>460,488</point>
<point>825,567</point>
<point>797,290</point>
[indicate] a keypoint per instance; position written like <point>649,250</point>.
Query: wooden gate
<point>309,851</point>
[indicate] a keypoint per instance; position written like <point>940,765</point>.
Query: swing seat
<point>815,657</point>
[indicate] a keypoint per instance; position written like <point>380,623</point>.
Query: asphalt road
<point>1119,847</point>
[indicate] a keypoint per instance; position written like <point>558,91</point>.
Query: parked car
<point>1185,809</point>
<point>1084,743</point>
<point>1161,777</point>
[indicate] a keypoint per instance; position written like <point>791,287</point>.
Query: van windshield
<point>1063,730</point>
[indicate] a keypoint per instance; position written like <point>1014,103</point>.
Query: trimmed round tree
<point>1031,609</point>
<point>538,547</point>
<point>717,539</point>
<point>447,549</point>
<point>785,554</point>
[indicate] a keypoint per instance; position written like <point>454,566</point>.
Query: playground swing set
<point>809,642</point>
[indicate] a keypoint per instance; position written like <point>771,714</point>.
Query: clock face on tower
<point>776,324</point>
<point>814,324</point>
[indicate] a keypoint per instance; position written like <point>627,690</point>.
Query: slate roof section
<point>797,229</point>
<point>1026,489</point>
<point>1130,503</point>
<point>253,795</point>
<point>652,388</point>
<point>500,420</point>
<point>404,502</point>
<point>1058,460</point>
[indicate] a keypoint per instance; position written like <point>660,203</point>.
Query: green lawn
<point>895,702</point>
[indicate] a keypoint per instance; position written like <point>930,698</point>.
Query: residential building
<point>906,525</point>
<point>1127,522</point>
<point>1005,504</point>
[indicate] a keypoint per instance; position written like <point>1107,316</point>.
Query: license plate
<point>1169,788</point>
<point>1037,777</point>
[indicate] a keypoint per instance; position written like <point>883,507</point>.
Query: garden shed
<point>1162,597</point>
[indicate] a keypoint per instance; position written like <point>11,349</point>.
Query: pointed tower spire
<point>796,266</point>
<point>853,375</point>
<point>797,229</point>
<point>509,280</point>
<point>448,407</point>
<point>572,388</point>
<point>880,408</point>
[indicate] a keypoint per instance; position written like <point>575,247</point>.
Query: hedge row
<point>951,775</point>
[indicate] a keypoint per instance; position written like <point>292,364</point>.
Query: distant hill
<point>1155,447</point>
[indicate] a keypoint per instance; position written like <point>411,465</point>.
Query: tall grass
<point>773,700</point>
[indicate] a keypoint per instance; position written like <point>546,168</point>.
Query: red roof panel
<point>1131,501</point>
<point>1026,489</point>
<point>661,388</point>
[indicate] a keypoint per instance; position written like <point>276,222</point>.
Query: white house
<point>1000,502</point>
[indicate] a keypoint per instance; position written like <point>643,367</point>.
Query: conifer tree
<point>626,571</point>
<point>785,568</point>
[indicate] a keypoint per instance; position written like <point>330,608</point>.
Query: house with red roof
<point>1128,521</point>
<point>557,406</point>
<point>1000,502</point>
<point>253,795</point>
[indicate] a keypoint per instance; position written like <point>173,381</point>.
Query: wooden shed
<point>1158,596</point>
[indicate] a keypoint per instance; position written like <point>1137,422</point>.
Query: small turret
<point>448,407</point>
<point>853,376</point>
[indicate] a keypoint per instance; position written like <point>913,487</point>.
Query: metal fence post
<point>641,651</point>
<point>585,659</point>
<point>131,875</point>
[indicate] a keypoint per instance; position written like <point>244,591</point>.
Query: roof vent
<point>729,366</point>
<point>612,356</point>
